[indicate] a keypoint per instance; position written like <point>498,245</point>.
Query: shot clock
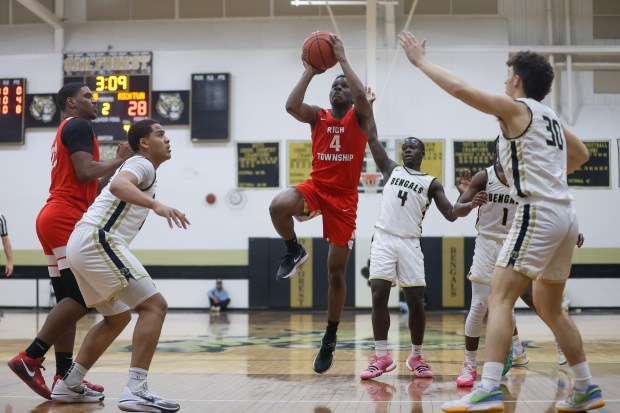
<point>12,103</point>
<point>123,99</point>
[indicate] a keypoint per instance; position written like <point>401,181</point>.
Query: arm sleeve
<point>4,231</point>
<point>77,136</point>
<point>142,168</point>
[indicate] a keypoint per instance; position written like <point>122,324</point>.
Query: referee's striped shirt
<point>4,231</point>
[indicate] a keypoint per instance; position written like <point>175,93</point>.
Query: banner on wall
<point>432,163</point>
<point>473,155</point>
<point>595,173</point>
<point>258,165</point>
<point>453,272</point>
<point>299,161</point>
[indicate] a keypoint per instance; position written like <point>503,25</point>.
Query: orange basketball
<point>318,52</point>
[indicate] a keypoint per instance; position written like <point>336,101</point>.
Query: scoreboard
<point>123,99</point>
<point>12,102</point>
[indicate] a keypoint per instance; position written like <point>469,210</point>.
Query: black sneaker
<point>325,358</point>
<point>290,262</point>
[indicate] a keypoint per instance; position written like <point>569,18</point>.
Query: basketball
<point>318,52</point>
<point>211,199</point>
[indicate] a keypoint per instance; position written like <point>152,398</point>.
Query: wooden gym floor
<point>262,362</point>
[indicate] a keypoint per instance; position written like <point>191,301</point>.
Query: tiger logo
<point>170,106</point>
<point>43,108</point>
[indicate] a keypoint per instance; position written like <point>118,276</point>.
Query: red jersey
<point>66,188</point>
<point>338,151</point>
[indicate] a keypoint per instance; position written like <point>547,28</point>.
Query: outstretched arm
<point>468,201</point>
<point>380,156</point>
<point>125,187</point>
<point>502,106</point>
<point>362,106</point>
<point>295,103</point>
<point>437,193</point>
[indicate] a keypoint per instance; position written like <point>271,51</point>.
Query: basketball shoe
<point>508,361</point>
<point>145,401</point>
<point>290,262</point>
<point>78,394</point>
<point>418,366</point>
<point>561,357</point>
<point>519,359</point>
<point>325,358</point>
<point>479,400</point>
<point>29,370</point>
<point>378,366</point>
<point>92,386</point>
<point>468,375</point>
<point>582,400</point>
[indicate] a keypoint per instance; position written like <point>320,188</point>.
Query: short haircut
<point>535,72</point>
<point>416,139</point>
<point>68,91</point>
<point>138,130</point>
<point>340,76</point>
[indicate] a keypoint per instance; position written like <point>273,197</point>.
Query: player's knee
<point>336,279</point>
<point>118,322</point>
<point>379,298</point>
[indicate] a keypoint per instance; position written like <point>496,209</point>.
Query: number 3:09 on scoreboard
<point>122,100</point>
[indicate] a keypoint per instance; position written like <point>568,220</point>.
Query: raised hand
<point>370,95</point>
<point>309,68</point>
<point>414,50</point>
<point>338,47</point>
<point>463,180</point>
<point>124,151</point>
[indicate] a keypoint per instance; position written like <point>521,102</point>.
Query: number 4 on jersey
<point>403,197</point>
<point>335,143</point>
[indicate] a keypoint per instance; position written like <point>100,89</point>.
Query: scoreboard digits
<point>12,102</point>
<point>123,100</point>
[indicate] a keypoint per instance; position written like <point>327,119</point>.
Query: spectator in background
<point>6,245</point>
<point>218,297</point>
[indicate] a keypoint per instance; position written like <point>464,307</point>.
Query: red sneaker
<point>29,370</point>
<point>94,387</point>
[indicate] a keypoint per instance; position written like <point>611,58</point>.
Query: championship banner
<point>453,272</point>
<point>258,164</point>
<point>299,161</point>
<point>301,283</point>
<point>473,155</point>
<point>594,173</point>
<point>432,163</point>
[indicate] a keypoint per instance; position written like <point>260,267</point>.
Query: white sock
<point>381,348</point>
<point>491,375</point>
<point>137,377</point>
<point>582,376</point>
<point>471,356</point>
<point>517,344</point>
<point>416,350</point>
<point>75,375</point>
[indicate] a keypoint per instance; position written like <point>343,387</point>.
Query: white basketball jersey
<point>495,217</point>
<point>118,217</point>
<point>404,202</point>
<point>535,162</point>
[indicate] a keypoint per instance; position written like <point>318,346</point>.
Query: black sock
<point>63,363</point>
<point>37,349</point>
<point>292,245</point>
<point>330,332</point>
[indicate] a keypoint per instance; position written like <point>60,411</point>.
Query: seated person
<point>218,297</point>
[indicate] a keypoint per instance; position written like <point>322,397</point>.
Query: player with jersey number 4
<point>536,153</point>
<point>395,254</point>
<point>339,137</point>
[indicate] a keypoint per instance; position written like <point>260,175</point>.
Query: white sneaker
<point>78,394</point>
<point>561,357</point>
<point>519,359</point>
<point>145,401</point>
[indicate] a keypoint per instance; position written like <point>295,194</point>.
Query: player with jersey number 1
<point>536,153</point>
<point>339,137</point>
<point>395,253</point>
